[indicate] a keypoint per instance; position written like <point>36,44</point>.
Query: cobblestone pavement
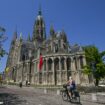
<point>13,95</point>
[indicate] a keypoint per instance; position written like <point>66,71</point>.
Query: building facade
<point>60,59</point>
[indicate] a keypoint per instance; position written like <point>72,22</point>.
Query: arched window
<point>56,61</point>
<point>62,63</point>
<point>56,48</point>
<point>68,63</point>
<point>59,43</point>
<point>50,64</point>
<point>81,62</point>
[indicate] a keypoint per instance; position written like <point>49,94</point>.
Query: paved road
<point>13,95</point>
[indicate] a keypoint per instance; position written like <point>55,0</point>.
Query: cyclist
<point>71,86</point>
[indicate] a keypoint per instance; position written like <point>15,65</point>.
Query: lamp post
<point>93,69</point>
<point>95,74</point>
<point>93,66</point>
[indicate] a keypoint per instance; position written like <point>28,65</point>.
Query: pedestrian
<point>26,82</point>
<point>20,84</point>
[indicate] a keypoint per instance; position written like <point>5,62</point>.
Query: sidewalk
<point>89,97</point>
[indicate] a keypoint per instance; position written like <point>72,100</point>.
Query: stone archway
<point>49,74</point>
<point>68,62</point>
<point>62,63</point>
<point>49,64</point>
<point>56,67</point>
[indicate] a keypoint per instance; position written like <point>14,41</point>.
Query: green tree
<point>3,37</point>
<point>95,63</point>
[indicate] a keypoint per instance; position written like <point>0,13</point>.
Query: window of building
<point>50,64</point>
<point>56,47</point>
<point>62,63</point>
<point>68,64</point>
<point>56,63</point>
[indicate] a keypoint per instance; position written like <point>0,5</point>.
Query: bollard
<point>45,91</point>
<point>1,103</point>
<point>58,92</point>
<point>94,97</point>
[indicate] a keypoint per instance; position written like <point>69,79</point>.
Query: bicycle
<point>75,95</point>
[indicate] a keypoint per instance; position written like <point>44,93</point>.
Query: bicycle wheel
<point>64,96</point>
<point>76,100</point>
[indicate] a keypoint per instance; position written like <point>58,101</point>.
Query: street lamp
<point>94,71</point>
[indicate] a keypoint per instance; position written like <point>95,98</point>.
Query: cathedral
<point>59,59</point>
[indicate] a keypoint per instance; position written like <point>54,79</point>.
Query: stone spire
<point>14,38</point>
<point>52,32</point>
<point>64,37</point>
<point>20,37</point>
<point>15,35</point>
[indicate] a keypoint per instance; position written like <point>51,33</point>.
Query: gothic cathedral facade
<point>60,59</point>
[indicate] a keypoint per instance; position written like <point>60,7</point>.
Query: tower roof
<point>39,17</point>
<point>39,31</point>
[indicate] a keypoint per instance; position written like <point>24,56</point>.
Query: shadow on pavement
<point>10,99</point>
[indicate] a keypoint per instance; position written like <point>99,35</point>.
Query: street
<point>13,95</point>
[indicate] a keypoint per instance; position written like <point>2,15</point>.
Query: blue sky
<point>82,20</point>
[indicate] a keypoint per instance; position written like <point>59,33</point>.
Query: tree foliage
<point>95,62</point>
<point>3,37</point>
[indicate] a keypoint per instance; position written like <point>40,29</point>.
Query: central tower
<point>39,32</point>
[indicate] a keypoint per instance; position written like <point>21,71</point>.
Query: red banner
<point>40,62</point>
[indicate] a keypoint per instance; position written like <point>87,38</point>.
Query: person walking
<point>20,84</point>
<point>26,82</point>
